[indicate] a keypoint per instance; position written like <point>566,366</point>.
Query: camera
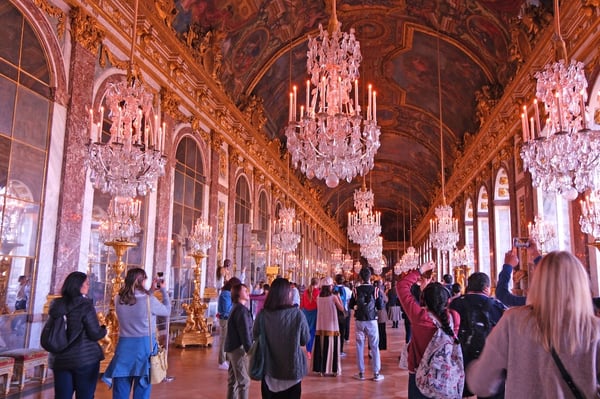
<point>521,242</point>
<point>159,279</point>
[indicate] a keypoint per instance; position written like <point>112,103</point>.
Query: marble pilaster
<point>230,222</point>
<point>69,226</point>
<point>164,202</point>
<point>213,209</point>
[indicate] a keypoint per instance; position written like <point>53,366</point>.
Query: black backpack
<point>55,337</point>
<point>365,305</point>
<point>478,327</point>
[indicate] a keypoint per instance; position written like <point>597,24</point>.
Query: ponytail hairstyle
<point>436,296</point>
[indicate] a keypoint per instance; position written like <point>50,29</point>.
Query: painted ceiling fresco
<point>263,48</point>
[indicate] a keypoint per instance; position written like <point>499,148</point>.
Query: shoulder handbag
<point>566,376</point>
<point>158,360</point>
<point>257,353</point>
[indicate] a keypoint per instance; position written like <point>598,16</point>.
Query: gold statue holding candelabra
<point>196,331</point>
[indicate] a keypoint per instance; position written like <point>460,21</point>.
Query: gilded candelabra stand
<point>110,320</point>
<point>461,274</point>
<point>196,331</point>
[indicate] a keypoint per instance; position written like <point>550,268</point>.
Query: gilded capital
<point>169,103</point>
<point>86,30</point>
<point>216,140</point>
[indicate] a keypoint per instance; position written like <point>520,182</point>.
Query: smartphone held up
<point>521,242</point>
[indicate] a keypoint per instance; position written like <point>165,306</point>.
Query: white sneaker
<point>224,366</point>
<point>378,377</point>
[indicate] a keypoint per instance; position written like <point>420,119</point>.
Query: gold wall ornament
<point>86,30</point>
<point>166,11</point>
<point>169,103</point>
<point>216,141</point>
<point>54,12</point>
<point>107,55</point>
<point>196,330</point>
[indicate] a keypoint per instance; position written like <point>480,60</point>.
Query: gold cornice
<point>216,141</point>
<point>86,30</point>
<point>54,12</point>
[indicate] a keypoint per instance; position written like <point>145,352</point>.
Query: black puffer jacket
<point>82,321</point>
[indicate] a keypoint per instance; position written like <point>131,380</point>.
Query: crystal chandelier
<point>444,230</point>
<point>463,257</point>
<point>286,230</point>
<point>373,249</point>
<point>364,225</point>
<point>562,155</point>
<point>330,139</point>
<point>131,161</point>
<point>398,267</point>
<point>378,265</point>
<point>337,257</point>
<point>123,221</point>
<point>348,263</point>
<point>410,259</point>
<point>201,236</point>
<point>541,232</point>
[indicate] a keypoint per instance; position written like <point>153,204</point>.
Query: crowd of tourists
<point>459,342</point>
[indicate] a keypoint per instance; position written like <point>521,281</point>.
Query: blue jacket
<point>502,292</point>
<point>224,304</point>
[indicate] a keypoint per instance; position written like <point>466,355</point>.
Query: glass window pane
<point>10,32</point>
<point>32,58</point>
<point>178,188</point>
<point>198,196</point>
<point>31,118</point>
<point>189,192</point>
<point>5,144</point>
<point>8,90</point>
<point>27,167</point>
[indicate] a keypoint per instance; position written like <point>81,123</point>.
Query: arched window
<point>483,231</point>
<point>263,212</point>
<point>469,239</point>
<point>188,206</point>
<point>25,98</point>
<point>242,201</point>
<point>502,225</point>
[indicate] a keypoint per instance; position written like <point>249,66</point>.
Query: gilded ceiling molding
<point>107,55</point>
<point>54,12</point>
<point>590,7</point>
<point>86,30</point>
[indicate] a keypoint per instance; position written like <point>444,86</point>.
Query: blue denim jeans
<point>371,331</point>
<point>81,380</point>
<point>121,387</point>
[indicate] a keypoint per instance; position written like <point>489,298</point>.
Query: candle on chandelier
<point>307,96</point>
<point>146,133</point>
<point>560,120</point>
<point>291,107</point>
<point>528,133</point>
<point>370,102</point>
<point>119,127</point>
<point>92,125</point>
<point>356,95</point>
<point>99,132</point>
<point>524,127</point>
<point>295,88</point>
<point>529,228</point>
<point>532,126</point>
<point>537,116</point>
<point>152,139</point>
<point>301,111</point>
<point>375,106</point>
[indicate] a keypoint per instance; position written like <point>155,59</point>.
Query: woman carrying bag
<point>76,368</point>
<point>130,365</point>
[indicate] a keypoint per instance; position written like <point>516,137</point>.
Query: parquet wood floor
<point>197,376</point>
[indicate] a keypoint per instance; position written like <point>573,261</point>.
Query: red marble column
<point>213,209</point>
<point>70,208</point>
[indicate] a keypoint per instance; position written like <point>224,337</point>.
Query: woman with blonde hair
<point>556,326</point>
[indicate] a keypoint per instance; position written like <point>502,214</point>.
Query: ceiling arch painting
<point>263,46</point>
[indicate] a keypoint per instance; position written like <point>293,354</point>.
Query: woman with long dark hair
<point>434,299</point>
<point>76,368</point>
<point>286,332</point>
<point>130,365</point>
